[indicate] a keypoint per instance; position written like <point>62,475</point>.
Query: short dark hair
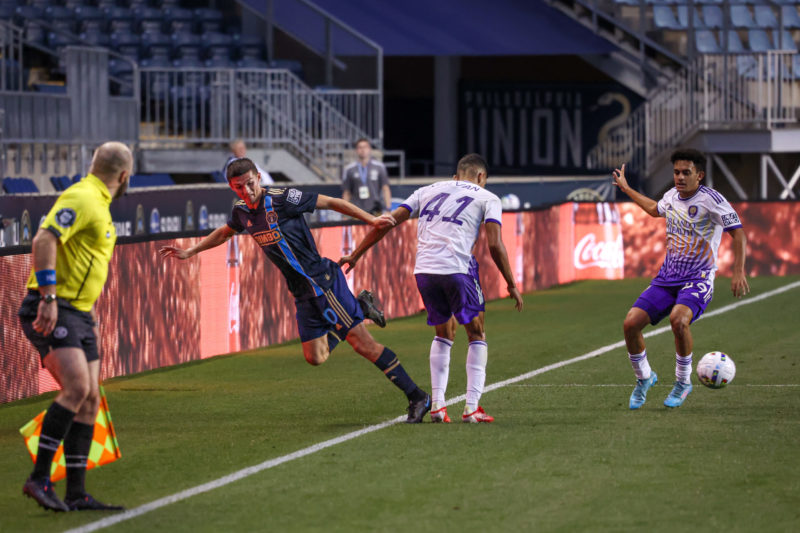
<point>362,140</point>
<point>472,164</point>
<point>240,166</point>
<point>689,154</point>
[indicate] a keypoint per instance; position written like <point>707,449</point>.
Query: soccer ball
<point>715,370</point>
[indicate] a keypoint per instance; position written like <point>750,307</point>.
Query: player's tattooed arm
<point>215,238</point>
<point>649,205</point>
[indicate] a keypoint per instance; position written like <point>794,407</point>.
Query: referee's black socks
<point>57,421</point>
<point>389,365</point>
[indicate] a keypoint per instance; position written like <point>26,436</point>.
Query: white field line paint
<point>249,471</point>
<point>627,385</point>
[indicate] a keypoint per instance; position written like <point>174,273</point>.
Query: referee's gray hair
<point>110,159</point>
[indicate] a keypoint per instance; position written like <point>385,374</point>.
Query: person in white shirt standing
<point>450,215</point>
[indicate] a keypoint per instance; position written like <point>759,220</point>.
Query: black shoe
<point>417,410</point>
<point>88,503</point>
<point>42,491</point>
<point>367,301</point>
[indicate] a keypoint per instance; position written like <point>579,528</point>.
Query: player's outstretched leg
<point>683,381</point>
<point>635,322</point>
<point>367,302</point>
<point>419,401</point>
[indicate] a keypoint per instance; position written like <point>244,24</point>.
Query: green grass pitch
<point>565,453</point>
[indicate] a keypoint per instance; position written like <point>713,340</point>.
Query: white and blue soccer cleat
<point>678,393</point>
<point>639,394</point>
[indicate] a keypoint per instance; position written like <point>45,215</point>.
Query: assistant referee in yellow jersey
<point>71,252</point>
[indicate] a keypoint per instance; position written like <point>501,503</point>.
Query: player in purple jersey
<point>696,218</point>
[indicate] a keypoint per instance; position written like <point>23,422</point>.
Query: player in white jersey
<point>450,216</point>
<point>696,218</point>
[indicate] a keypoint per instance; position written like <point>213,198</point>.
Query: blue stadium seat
<point>787,41</point>
<point>664,19</point>
<point>118,13</point>
<point>765,17</point>
<point>97,38</point>
<point>791,18</point>
<point>151,180</point>
<point>60,183</point>
<point>188,62</point>
<point>28,12</point>
<point>708,1</point>
<point>683,17</point>
<point>734,42</point>
<point>185,39</point>
<point>147,13</point>
<point>705,42</point>
<point>55,12</point>
<point>174,13</point>
<point>57,40</point>
<point>35,32</point>
<point>741,17</point>
<point>19,185</point>
<point>251,62</point>
<point>157,40</point>
<point>712,16</point>
<point>87,12</point>
<point>295,67</point>
<point>758,40</point>
<point>117,67</point>
<point>50,88</point>
<point>220,62</point>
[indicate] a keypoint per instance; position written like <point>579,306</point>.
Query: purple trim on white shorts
<point>407,207</point>
<point>494,220</point>
<point>729,228</point>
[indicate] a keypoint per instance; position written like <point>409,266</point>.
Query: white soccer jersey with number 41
<point>450,216</point>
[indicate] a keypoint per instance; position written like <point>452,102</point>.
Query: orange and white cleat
<point>440,415</point>
<point>477,416</point>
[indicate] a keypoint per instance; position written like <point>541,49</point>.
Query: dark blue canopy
<point>442,27</point>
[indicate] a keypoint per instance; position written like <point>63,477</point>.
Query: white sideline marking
<point>565,385</point>
<point>249,471</point>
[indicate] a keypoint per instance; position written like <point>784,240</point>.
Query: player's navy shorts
<point>658,300</point>
<point>446,295</point>
<point>73,328</point>
<point>336,312</point>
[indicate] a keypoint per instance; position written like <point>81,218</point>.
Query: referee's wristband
<point>45,278</point>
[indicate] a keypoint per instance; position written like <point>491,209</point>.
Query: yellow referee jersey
<point>82,222</point>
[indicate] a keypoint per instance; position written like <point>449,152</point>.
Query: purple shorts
<point>658,300</point>
<point>445,295</point>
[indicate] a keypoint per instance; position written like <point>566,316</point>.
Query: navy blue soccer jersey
<point>280,230</point>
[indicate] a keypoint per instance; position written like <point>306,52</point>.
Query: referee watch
<point>49,298</point>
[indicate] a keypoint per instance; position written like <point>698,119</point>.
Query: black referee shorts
<point>73,328</point>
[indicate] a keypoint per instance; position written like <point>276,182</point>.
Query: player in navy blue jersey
<point>327,312</point>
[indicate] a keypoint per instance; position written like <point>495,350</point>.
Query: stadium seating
<point>741,17</point>
<point>60,183</point>
<point>19,186</point>
<point>151,180</point>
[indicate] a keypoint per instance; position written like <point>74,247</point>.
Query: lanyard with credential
<point>362,171</point>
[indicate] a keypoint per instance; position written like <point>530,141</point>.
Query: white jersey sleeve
<point>493,211</point>
<point>722,213</point>
<point>664,203</point>
<point>412,202</point>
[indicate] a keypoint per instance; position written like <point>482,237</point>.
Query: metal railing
<point>11,39</point>
<point>264,107</point>
<point>725,91</point>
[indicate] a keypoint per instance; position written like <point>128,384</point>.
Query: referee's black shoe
<point>88,503</point>
<point>418,409</point>
<point>42,491</point>
<point>367,302</point>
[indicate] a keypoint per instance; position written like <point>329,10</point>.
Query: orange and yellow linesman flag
<point>104,450</point>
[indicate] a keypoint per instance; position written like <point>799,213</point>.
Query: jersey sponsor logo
<point>60,332</point>
<point>730,219</point>
<point>692,210</point>
<point>294,196</point>
<point>267,238</point>
<point>65,217</point>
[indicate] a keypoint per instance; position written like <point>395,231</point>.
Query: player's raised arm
<point>500,257</point>
<point>215,238</point>
<point>739,284</point>
<point>649,205</point>
<point>399,215</point>
<point>346,208</point>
